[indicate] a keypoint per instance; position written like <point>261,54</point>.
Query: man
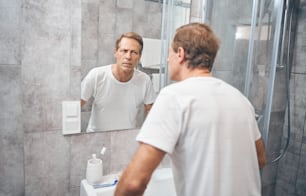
<point>119,90</point>
<point>207,127</point>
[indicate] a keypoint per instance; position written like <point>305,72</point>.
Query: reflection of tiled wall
<point>40,58</point>
<point>103,22</point>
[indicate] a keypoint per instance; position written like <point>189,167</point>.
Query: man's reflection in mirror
<point>119,91</point>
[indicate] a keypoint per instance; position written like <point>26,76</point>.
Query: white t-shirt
<point>209,130</point>
<point>116,104</point>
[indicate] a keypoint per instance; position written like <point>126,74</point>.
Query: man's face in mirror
<point>128,54</point>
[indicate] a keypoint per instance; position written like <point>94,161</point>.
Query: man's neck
<point>196,72</point>
<point>122,75</point>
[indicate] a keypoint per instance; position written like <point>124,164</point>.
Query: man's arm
<point>261,153</point>
<point>137,175</point>
<point>148,107</point>
<point>82,102</point>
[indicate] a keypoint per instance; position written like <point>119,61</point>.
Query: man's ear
<point>181,54</point>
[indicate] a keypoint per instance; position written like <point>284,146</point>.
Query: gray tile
<point>123,21</point>
<point>76,30</point>
<point>106,49</point>
<point>46,159</point>
<point>90,31</point>
<point>298,90</point>
<point>287,173</point>
<point>301,176</point>
<point>127,4</point>
<point>268,190</point>
<point>11,132</point>
<point>10,99</point>
<point>32,110</point>
<point>269,174</point>
<point>107,20</point>
<point>10,29</point>
<point>75,83</point>
<point>123,147</point>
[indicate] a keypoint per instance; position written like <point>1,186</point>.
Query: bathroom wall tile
<point>46,59</point>
<point>48,18</point>
<point>81,149</point>
<point>74,191</point>
<point>268,190</point>
<point>269,173</point>
<point>148,18</point>
<point>297,118</point>
<point>52,114</point>
<point>10,29</point>
<point>283,189</point>
<point>74,83</point>
<point>90,28</point>
<point>36,171</point>
<point>123,147</point>
<point>298,90</point>
<point>295,141</point>
<point>10,92</point>
<point>298,65</point>
<point>301,176</point>
<point>47,31</point>
<point>76,29</point>
<point>55,82</point>
<point>287,174</point>
<point>128,4</point>
<point>87,65</point>
<point>46,157</point>
<point>43,112</point>
<point>106,49</point>
<point>141,14</point>
<point>91,1</point>
<point>32,110</point>
<point>153,26</point>
<point>11,156</point>
<point>11,132</point>
<point>107,19</point>
<point>123,21</point>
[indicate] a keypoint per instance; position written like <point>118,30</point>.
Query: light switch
<point>71,112</point>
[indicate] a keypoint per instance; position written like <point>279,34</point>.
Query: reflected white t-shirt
<point>209,130</point>
<point>116,104</point>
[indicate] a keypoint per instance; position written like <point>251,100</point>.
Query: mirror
<point>102,23</point>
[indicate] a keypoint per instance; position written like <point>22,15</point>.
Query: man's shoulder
<point>141,74</point>
<point>100,69</point>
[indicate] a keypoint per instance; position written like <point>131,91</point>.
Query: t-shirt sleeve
<point>87,86</point>
<point>256,131</point>
<point>257,134</point>
<point>149,94</point>
<point>161,128</point>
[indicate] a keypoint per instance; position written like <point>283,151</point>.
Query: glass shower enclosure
<point>255,57</point>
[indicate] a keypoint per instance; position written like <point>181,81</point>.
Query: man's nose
<point>128,55</point>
